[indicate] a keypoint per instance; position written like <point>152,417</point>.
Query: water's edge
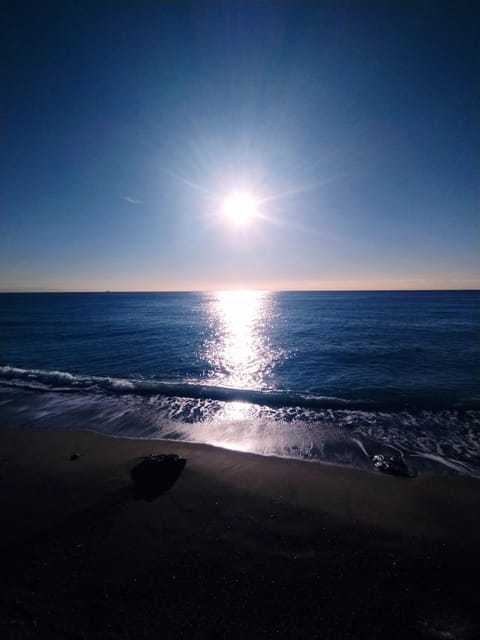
<point>440,441</point>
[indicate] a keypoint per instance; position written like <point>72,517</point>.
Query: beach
<point>241,546</point>
<point>239,321</point>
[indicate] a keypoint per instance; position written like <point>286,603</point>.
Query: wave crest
<point>61,381</point>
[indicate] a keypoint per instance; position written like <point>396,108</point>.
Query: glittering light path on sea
<point>323,376</point>
<point>240,352</point>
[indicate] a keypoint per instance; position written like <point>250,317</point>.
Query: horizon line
<point>213,290</point>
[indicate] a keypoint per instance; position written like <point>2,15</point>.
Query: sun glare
<point>240,207</point>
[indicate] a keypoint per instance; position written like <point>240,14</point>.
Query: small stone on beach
<point>393,465</point>
<point>156,474</point>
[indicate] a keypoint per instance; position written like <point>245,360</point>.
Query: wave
<point>60,381</point>
<point>428,440</point>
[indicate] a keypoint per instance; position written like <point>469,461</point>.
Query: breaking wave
<point>335,430</point>
<point>60,381</point>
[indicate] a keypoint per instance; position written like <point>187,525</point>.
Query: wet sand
<point>241,546</point>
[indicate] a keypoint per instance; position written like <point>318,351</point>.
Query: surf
<point>62,381</point>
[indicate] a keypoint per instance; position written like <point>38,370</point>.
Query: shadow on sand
<point>155,475</point>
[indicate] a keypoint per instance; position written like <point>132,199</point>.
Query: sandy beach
<point>241,546</point>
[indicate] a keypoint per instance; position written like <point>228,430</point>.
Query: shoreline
<point>365,495</point>
<point>278,538</point>
<point>433,443</point>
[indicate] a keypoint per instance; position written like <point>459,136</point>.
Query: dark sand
<point>241,547</point>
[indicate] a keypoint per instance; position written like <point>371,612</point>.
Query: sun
<point>240,207</point>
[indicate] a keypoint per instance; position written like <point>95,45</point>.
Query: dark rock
<point>156,474</point>
<point>74,456</point>
<point>393,465</point>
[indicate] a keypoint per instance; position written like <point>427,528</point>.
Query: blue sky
<point>126,124</point>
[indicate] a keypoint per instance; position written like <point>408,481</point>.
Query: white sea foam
<point>429,441</point>
<point>291,404</point>
<point>271,423</point>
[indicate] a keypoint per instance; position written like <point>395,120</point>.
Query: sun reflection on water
<point>239,350</point>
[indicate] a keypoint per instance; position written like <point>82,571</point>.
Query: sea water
<point>331,376</point>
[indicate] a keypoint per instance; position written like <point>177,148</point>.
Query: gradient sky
<point>125,125</point>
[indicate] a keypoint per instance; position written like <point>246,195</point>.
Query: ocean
<point>336,377</point>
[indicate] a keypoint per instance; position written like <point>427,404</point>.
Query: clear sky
<point>126,125</point>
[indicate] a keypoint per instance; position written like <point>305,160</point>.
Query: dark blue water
<point>332,376</point>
